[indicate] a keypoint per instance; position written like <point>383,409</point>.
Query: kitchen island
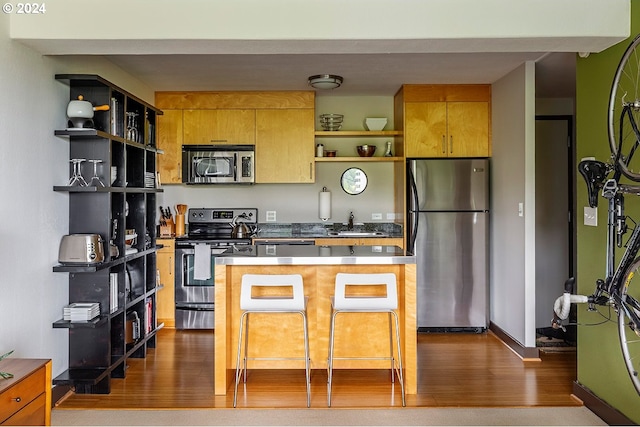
<point>276,335</point>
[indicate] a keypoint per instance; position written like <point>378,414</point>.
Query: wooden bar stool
<point>294,302</point>
<point>366,302</point>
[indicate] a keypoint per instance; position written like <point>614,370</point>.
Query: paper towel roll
<point>324,204</point>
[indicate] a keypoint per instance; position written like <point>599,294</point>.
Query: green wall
<point>600,365</point>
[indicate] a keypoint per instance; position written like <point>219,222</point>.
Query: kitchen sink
<point>357,233</point>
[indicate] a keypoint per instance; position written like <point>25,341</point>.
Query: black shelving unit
<point>123,285</point>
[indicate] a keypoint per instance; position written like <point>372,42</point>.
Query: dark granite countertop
<point>314,255</point>
<point>318,230</point>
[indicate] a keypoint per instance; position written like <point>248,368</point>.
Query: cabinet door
<point>233,127</point>
<point>285,151</point>
<point>425,129</point>
<point>468,124</point>
<point>170,141</point>
<point>165,304</point>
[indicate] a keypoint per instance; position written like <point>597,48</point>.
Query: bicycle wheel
<point>623,121</point>
<point>629,323</point>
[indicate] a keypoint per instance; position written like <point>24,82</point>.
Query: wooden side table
<point>25,399</point>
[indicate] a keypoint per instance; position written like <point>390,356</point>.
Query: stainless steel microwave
<point>218,164</point>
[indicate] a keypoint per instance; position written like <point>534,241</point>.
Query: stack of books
<point>149,180</point>
<point>81,311</point>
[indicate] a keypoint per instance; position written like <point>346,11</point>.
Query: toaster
<point>81,249</point>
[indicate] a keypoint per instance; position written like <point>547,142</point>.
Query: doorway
<point>555,218</point>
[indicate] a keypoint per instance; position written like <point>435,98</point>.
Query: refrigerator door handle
<point>413,231</point>
<point>413,208</point>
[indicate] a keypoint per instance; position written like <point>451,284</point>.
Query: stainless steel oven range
<point>209,235</point>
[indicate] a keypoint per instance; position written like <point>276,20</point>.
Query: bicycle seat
<point>594,173</point>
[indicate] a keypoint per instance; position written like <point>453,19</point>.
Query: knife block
<point>168,228</point>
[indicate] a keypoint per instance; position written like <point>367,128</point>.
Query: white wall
<point>299,202</point>
<point>512,182</point>
<point>32,216</point>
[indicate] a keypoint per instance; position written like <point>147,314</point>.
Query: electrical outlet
<point>271,216</point>
<point>590,216</point>
<point>376,216</point>
<point>391,216</point>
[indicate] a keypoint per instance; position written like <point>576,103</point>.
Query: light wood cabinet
<point>25,399</point>
<point>285,146</point>
<point>359,241</point>
<point>279,124</point>
<point>170,139</point>
<point>445,120</point>
<point>447,129</point>
<point>166,295</point>
<point>220,127</point>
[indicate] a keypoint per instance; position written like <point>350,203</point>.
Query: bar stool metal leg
<point>243,320</point>
<point>283,303</point>
<point>387,304</point>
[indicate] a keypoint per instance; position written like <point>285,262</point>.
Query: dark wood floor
<point>466,370</point>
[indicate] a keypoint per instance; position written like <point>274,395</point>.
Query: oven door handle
<point>194,307</point>
<point>190,251</point>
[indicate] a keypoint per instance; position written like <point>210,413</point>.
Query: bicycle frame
<point>616,227</point>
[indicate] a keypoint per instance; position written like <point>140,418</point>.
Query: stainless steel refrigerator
<point>447,229</point>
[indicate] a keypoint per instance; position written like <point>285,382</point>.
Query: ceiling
<point>370,74</point>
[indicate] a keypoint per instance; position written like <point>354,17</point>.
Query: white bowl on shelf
<point>375,123</point>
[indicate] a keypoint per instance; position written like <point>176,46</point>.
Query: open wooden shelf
<point>357,133</point>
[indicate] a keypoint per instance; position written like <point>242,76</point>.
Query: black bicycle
<point>603,179</point>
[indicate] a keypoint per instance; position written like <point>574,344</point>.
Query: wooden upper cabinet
<point>170,142</point>
<point>279,123</point>
<point>446,120</point>
<point>220,127</point>
<point>425,129</point>
<point>285,146</point>
<point>468,124</point>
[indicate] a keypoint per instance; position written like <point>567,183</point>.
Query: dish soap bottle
<point>388,153</point>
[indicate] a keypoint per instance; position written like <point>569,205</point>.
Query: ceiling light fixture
<point>325,81</point>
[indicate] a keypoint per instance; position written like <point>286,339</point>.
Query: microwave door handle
<point>235,167</point>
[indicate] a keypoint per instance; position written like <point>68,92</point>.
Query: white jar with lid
<point>319,150</point>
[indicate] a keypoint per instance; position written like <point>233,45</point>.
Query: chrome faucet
<point>350,224</point>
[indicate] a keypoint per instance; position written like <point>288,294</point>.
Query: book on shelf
<point>113,292</point>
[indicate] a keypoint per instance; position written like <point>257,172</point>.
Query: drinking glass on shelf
<point>132,127</point>
<point>76,178</point>
<point>95,179</point>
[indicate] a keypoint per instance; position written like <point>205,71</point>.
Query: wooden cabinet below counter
<point>166,270</point>
<point>359,241</point>
<point>25,399</point>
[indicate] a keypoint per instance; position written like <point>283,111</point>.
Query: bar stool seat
<point>294,302</point>
<point>366,302</point>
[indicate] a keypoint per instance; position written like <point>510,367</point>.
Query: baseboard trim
<point>609,414</point>
<point>59,393</point>
<point>526,353</point>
